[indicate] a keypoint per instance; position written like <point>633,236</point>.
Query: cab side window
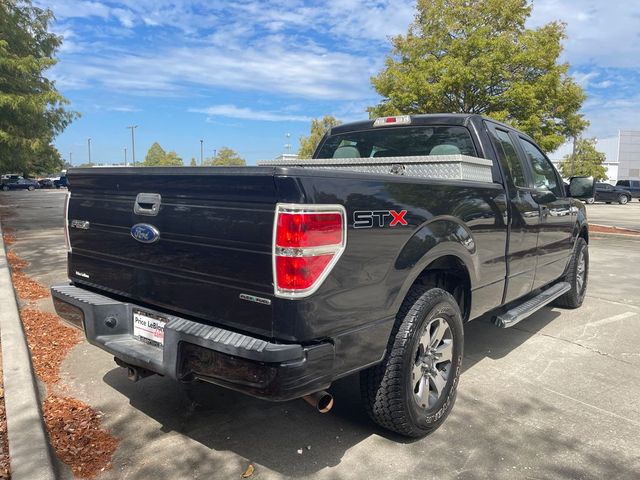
<point>509,157</point>
<point>544,175</point>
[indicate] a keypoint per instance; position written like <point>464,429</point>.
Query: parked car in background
<point>21,184</point>
<point>10,178</point>
<point>46,183</point>
<point>633,186</point>
<point>605,192</point>
<point>60,182</point>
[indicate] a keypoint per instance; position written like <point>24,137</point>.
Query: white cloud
<point>123,108</point>
<point>269,66</point>
<point>608,116</point>
<point>602,33</point>
<point>232,111</point>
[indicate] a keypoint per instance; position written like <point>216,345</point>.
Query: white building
<point>622,154</point>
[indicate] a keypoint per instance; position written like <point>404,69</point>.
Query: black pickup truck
<point>277,280</point>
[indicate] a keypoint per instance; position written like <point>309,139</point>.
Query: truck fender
<point>439,237</point>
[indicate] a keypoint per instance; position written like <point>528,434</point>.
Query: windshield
<point>398,142</point>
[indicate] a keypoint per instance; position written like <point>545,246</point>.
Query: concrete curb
<point>614,229</point>
<point>29,450</point>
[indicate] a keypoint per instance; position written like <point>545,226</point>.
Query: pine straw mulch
<point>5,467</point>
<point>74,427</point>
<point>26,288</point>
<point>49,341</point>
<point>8,237</point>
<point>75,433</point>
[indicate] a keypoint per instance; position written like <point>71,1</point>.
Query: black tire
<point>590,201</point>
<point>574,297</point>
<point>623,199</point>
<point>5,188</point>
<point>389,388</point>
<point>31,188</point>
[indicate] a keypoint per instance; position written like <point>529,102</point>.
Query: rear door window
<point>544,175</point>
<point>399,142</point>
<point>509,157</point>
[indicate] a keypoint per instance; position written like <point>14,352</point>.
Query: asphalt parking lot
<point>554,397</point>
<point>625,216</point>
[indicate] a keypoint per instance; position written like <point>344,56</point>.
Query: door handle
<point>147,204</point>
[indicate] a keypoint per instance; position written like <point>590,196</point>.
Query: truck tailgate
<point>215,230</point>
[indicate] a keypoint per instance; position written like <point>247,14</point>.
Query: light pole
<point>287,146</point>
<point>573,157</point>
<point>70,158</point>
<point>201,152</point>
<point>125,156</point>
<point>133,143</point>
<point>89,145</point>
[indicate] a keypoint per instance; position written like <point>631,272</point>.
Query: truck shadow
<point>290,438</point>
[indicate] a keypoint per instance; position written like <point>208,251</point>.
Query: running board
<point>522,311</point>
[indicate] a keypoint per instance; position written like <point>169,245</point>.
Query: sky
<point>251,74</point>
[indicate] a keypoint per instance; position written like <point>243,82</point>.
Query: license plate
<point>148,328</point>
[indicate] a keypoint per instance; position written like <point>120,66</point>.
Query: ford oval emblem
<point>145,233</point>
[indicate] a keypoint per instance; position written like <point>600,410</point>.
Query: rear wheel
<point>31,188</point>
<point>590,201</point>
<point>623,199</point>
<point>414,388</point>
<point>5,188</point>
<point>577,276</point>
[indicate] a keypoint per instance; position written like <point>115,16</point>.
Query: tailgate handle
<point>147,204</point>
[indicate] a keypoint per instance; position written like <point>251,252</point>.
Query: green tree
<point>225,156</point>
<point>587,161</point>
<point>172,159</point>
<point>155,156</point>
<point>193,162</point>
<point>32,112</point>
<point>476,56</point>
<point>318,128</point>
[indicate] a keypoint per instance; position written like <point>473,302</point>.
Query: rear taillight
<point>67,240</point>
<point>307,242</point>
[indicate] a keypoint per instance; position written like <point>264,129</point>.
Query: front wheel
<point>623,199</point>
<point>590,201</point>
<point>5,188</point>
<point>577,276</point>
<point>31,188</point>
<point>414,388</point>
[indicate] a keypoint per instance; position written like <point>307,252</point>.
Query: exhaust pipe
<point>322,401</point>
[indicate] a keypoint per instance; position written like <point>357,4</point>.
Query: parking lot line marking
<point>615,318</point>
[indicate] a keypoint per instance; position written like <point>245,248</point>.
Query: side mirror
<point>582,188</point>
<point>544,195</point>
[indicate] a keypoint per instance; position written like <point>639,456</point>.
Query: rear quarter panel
<point>379,264</point>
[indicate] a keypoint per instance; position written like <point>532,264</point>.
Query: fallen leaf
<point>249,471</point>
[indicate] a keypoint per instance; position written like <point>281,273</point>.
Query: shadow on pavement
<point>271,434</point>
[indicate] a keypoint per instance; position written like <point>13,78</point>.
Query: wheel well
<point>584,233</point>
<point>450,274</point>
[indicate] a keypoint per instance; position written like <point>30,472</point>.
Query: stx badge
<point>378,218</point>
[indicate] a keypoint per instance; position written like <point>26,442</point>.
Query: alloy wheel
<point>432,363</point>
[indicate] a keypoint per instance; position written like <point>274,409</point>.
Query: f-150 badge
<point>378,218</point>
